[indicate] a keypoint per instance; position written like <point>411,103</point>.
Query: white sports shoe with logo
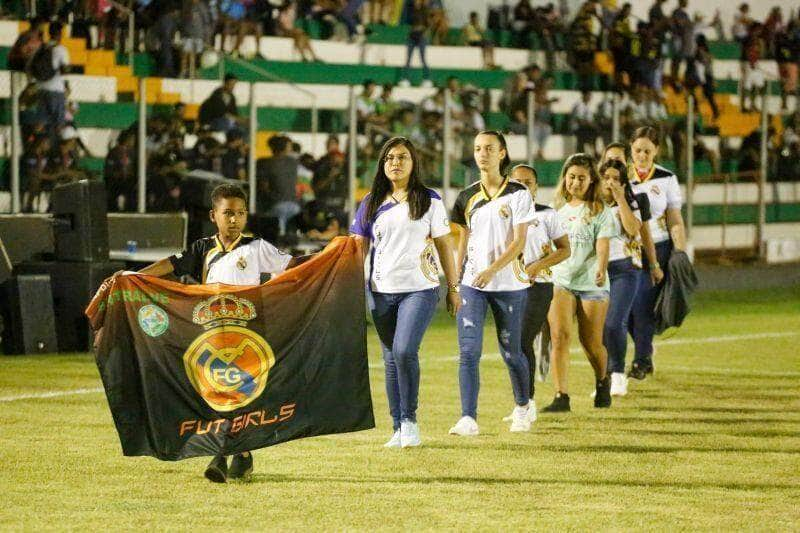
<point>394,442</point>
<point>409,434</point>
<point>619,384</point>
<point>519,419</point>
<point>465,427</point>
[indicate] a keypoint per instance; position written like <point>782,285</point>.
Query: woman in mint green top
<point>580,282</point>
<point>579,272</point>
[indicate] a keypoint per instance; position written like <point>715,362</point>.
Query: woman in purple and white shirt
<point>406,225</point>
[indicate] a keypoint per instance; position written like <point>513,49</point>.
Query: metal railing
<point>726,179</point>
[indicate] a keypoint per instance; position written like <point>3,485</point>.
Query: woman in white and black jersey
<point>624,267</point>
<point>546,245</point>
<point>492,216</point>
<point>406,225</point>
<point>668,234</point>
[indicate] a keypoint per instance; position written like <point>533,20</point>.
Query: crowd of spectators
<point>294,189</point>
<point>607,48</point>
<point>610,50</point>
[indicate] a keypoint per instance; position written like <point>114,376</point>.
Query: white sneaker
<point>619,384</point>
<point>409,434</point>
<point>394,442</point>
<point>404,83</point>
<point>531,413</point>
<point>427,84</point>
<point>465,427</point>
<point>519,420</point>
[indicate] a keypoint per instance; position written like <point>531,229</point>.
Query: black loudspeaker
<point>28,318</point>
<point>27,236</point>
<point>73,286</point>
<point>5,264</point>
<point>81,225</point>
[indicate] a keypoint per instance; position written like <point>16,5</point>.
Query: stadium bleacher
<point>108,89</point>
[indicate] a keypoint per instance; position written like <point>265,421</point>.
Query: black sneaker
<point>560,404</point>
<point>217,469</point>
<point>602,397</point>
<point>639,372</point>
<point>241,466</point>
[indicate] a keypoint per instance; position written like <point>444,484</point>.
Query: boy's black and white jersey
<point>242,263</point>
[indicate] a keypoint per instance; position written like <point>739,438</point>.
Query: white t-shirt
<point>621,245</point>
<point>542,231</point>
<point>490,221</point>
<point>663,192</point>
<point>207,261</point>
<point>60,59</point>
<point>402,256</point>
<point>365,105</point>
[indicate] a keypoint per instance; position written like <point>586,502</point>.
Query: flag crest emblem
<point>228,365</point>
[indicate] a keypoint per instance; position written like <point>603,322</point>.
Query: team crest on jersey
<point>655,190</point>
<point>241,263</point>
<point>153,320</point>
<point>535,222</point>
<point>546,250</point>
<point>633,249</point>
<point>519,269</point>
<point>504,211</point>
<point>428,263</point>
<point>228,365</point>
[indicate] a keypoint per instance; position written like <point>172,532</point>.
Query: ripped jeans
<point>508,308</point>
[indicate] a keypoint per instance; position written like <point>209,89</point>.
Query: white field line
<point>672,342</point>
<point>700,340</point>
<point>51,394</point>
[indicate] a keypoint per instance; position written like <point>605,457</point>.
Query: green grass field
<point>711,442</point>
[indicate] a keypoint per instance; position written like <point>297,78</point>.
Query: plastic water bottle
<point>132,246</point>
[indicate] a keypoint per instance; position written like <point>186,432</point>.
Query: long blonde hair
<point>593,198</point>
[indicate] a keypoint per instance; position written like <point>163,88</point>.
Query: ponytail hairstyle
<point>622,146</point>
<point>506,162</point>
<point>419,200</point>
<point>648,132</point>
<point>526,167</point>
<point>593,198</point>
<point>623,180</point>
<point>644,132</point>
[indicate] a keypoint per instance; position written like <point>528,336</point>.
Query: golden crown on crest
<point>223,307</point>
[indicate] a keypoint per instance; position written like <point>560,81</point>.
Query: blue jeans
<point>642,323</point>
<point>416,40</point>
<point>401,320</point>
<point>508,308</point>
<point>54,107</point>
<point>349,16</point>
<point>624,279</point>
<point>284,211</point>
